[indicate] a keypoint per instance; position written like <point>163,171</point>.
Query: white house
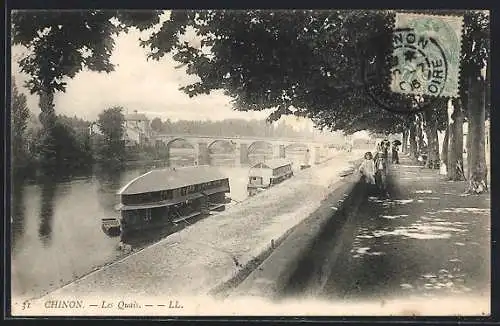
<point>137,129</point>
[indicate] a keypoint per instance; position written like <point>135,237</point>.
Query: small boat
<point>111,226</point>
<point>266,174</point>
<point>169,196</point>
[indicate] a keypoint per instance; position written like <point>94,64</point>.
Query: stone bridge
<point>245,146</point>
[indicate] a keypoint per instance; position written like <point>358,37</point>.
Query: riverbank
<point>200,258</point>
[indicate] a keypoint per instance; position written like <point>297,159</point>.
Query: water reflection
<point>18,211</point>
<point>47,211</point>
<point>108,176</point>
<point>57,233</point>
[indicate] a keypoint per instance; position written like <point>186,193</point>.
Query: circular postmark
<point>418,64</point>
<point>406,73</point>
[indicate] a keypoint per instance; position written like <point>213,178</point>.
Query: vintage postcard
<point>250,163</point>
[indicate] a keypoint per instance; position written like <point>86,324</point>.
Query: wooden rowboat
<point>111,226</point>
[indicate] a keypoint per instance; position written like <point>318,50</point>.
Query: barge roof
<point>171,178</point>
<point>272,164</point>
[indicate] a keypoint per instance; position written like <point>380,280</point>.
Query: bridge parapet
<point>243,145</point>
<point>195,138</point>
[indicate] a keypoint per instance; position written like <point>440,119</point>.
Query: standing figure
<point>395,155</point>
<point>381,172</point>
<point>367,169</point>
<point>385,148</point>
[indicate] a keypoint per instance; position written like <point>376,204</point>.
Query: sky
<point>148,86</point>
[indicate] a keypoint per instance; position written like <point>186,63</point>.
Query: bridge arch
<point>297,153</point>
<point>259,150</point>
<point>225,145</point>
<point>178,140</point>
<point>183,155</point>
<point>222,152</point>
<point>260,144</point>
<point>296,147</point>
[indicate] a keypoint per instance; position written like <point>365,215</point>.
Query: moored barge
<point>266,174</point>
<point>168,196</point>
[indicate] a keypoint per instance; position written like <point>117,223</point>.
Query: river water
<point>56,226</point>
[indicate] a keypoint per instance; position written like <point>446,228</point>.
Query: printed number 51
<point>26,305</point>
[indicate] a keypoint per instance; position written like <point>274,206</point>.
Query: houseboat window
<point>147,216</point>
<point>132,199</point>
<point>255,180</point>
<point>167,194</point>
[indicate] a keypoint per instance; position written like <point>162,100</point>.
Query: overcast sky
<point>151,87</point>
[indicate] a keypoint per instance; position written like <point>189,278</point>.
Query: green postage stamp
<point>426,54</point>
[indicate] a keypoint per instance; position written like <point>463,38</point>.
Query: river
<point>56,226</point>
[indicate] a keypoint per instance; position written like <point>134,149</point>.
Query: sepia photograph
<point>212,162</point>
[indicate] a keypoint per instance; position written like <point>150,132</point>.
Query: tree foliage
<point>63,42</point>
<point>60,44</point>
<point>111,124</point>
<point>156,125</point>
<point>19,122</point>
<point>269,59</point>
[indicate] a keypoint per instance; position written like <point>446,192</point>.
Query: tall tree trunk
<point>468,151</point>
<point>455,165</point>
<point>476,109</point>
<point>419,137</point>
<point>404,146</point>
<point>431,133</point>
<point>444,149</point>
<point>413,140</point>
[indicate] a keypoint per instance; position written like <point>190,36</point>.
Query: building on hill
<point>137,129</point>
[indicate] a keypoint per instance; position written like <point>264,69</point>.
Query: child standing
<point>367,168</point>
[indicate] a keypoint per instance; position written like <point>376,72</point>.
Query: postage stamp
<point>426,55</point>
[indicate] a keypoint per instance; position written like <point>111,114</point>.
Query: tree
<point>307,60</point>
<point>434,120</point>
<point>454,142</point>
<point>111,124</point>
<point>156,125</point>
<point>476,48</point>
<point>62,43</point>
<point>19,122</point>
